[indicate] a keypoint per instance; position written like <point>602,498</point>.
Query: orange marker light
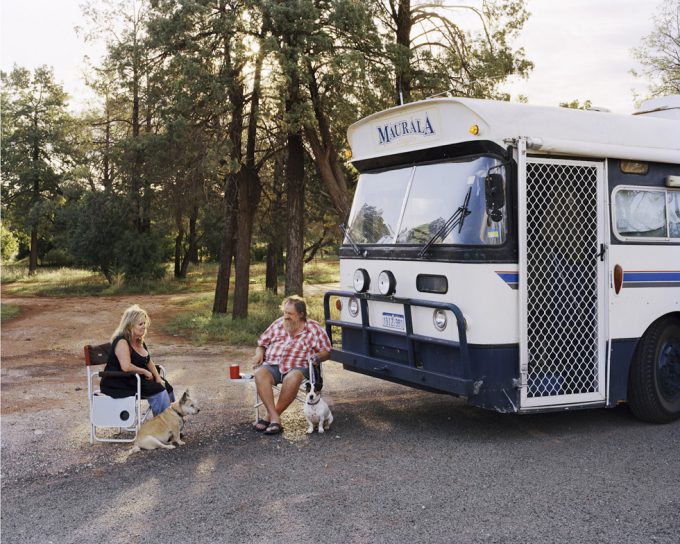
<point>618,278</point>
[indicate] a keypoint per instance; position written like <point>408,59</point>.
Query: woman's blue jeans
<point>160,402</point>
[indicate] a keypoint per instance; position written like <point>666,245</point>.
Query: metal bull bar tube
<point>462,385</point>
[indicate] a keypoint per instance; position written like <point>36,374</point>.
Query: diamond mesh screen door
<point>561,283</point>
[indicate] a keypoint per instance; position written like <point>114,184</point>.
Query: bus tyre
<point>654,385</point>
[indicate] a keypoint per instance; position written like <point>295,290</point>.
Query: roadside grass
<point>8,311</point>
<point>195,320</point>
<point>55,282</point>
<point>197,323</point>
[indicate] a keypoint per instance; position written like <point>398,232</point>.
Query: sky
<point>581,49</point>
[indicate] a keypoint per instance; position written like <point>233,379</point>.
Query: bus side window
<point>674,214</point>
<point>640,213</point>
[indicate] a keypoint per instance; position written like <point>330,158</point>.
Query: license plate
<point>393,321</point>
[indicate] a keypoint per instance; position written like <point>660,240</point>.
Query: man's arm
<point>258,358</point>
<point>323,344</point>
<point>321,356</point>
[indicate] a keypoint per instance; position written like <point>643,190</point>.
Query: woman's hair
<point>130,317</point>
<point>299,304</point>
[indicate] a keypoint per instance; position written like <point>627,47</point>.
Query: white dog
<point>317,413</point>
<point>164,430</point>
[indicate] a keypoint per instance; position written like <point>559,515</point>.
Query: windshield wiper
<point>354,245</point>
<point>456,220</point>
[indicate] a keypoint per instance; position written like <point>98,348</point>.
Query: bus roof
<point>553,130</point>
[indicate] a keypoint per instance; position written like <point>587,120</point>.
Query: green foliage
<point>9,245</point>
<point>58,257</point>
<point>95,224</point>
<point>461,49</point>
<point>36,148</point>
<point>101,238</point>
<point>576,105</point>
<point>179,108</point>
<point>659,52</point>
<point>142,255</point>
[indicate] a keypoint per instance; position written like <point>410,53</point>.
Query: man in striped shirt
<point>282,356</point>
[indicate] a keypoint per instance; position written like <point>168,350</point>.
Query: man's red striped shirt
<point>293,351</point>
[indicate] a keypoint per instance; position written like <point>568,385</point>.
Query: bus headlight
<point>439,319</point>
<point>386,283</point>
<point>361,280</point>
<point>353,307</point>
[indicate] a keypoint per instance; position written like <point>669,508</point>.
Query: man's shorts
<point>278,377</point>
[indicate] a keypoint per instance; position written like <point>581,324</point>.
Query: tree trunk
<point>107,178</point>
<point>178,244</point>
<point>275,230</point>
<point>403,76</point>
<point>271,279</point>
<point>245,234</point>
<point>295,214</point>
<point>33,258</point>
<point>226,249</point>
<point>325,154</point>
<point>193,245</point>
<point>192,252</point>
<point>249,191</point>
<point>136,175</point>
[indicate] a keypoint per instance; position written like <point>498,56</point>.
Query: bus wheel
<point>654,385</point>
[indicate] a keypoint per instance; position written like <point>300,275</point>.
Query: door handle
<point>603,249</point>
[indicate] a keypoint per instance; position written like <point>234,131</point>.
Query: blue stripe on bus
<point>637,278</point>
<point>511,278</point>
<point>648,278</point>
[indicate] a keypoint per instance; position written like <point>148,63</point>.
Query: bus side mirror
<point>495,196</point>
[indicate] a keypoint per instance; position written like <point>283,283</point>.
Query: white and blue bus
<point>525,258</point>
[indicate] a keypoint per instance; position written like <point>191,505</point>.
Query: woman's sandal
<point>261,425</point>
<point>274,428</point>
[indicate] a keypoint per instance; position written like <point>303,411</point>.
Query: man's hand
<point>258,358</point>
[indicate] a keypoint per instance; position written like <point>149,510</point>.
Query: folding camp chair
<point>124,414</point>
<point>315,380</point>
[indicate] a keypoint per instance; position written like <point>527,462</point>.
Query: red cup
<point>234,372</point>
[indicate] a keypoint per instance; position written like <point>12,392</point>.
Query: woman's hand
<point>160,380</point>
<point>147,375</point>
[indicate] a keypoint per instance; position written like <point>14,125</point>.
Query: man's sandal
<point>261,425</point>
<point>274,428</point>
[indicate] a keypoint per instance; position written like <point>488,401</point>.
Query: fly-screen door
<point>562,279</point>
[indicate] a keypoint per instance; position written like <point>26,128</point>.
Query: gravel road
<point>399,465</point>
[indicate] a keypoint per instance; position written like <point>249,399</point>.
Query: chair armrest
<point>116,373</point>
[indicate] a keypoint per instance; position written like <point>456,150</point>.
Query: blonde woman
<point>129,354</point>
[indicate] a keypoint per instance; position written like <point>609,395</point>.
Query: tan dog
<point>163,431</point>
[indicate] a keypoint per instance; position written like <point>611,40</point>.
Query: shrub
<point>58,257</point>
<point>9,245</point>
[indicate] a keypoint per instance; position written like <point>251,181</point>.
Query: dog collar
<point>314,403</point>
<point>176,411</point>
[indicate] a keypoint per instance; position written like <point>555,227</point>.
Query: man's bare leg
<point>264,383</point>
<point>289,390</point>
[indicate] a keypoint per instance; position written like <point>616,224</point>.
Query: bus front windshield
<point>456,202</point>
